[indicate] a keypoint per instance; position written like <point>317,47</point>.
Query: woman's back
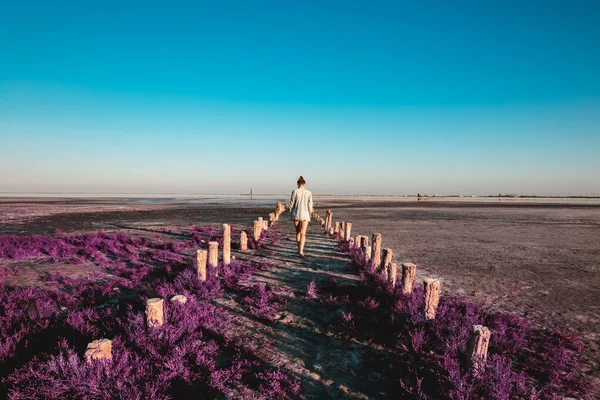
<point>301,204</point>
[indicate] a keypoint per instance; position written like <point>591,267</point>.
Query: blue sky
<point>359,97</point>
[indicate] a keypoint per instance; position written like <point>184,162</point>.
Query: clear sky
<point>396,97</point>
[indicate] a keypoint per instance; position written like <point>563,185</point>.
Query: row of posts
<point>380,259</point>
<point>102,349</point>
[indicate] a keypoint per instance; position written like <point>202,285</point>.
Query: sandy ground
<point>538,260</point>
<point>535,260</point>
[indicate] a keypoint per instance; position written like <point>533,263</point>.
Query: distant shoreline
<point>17,195</point>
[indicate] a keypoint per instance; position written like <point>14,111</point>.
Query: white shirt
<point>301,204</point>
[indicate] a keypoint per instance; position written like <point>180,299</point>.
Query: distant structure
<point>250,193</point>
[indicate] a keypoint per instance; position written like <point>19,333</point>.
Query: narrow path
<point>302,340</point>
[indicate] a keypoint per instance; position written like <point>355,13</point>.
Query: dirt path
<point>302,339</point>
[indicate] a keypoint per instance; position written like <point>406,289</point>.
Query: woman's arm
<point>292,200</point>
<point>310,203</point>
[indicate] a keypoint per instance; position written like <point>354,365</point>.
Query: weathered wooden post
<point>351,243</point>
<point>280,209</point>
<point>432,297</point>
<point>376,258</point>
<point>272,217</point>
<point>367,252</point>
<point>243,241</point>
<point>178,298</point>
<point>98,350</point>
<point>358,242</point>
<point>213,254</point>
<point>409,270</point>
<point>257,229</point>
<point>201,257</point>
<point>386,258</point>
<point>155,312</point>
<point>226,244</point>
<point>328,220</point>
<point>331,231</point>
<point>337,227</point>
<point>364,241</point>
<point>265,225</point>
<point>348,230</point>
<point>477,348</point>
<point>393,273</point>
<point>343,231</point>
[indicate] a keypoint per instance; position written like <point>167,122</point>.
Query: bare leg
<point>298,226</point>
<point>303,227</point>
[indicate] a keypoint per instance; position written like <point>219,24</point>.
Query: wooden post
<point>226,244</point>
<point>364,241</point>
<point>386,258</point>
<point>376,258</point>
<point>343,231</point>
<point>279,210</point>
<point>154,312</point>
<point>337,227</point>
<point>265,225</point>
<point>243,241</point>
<point>348,231</point>
<point>271,217</point>
<point>98,350</point>
<point>257,229</point>
<point>328,220</point>
<point>432,297</point>
<point>201,257</point>
<point>367,252</point>
<point>331,232</point>
<point>213,254</point>
<point>393,274</point>
<point>477,348</point>
<point>351,243</point>
<point>409,270</point>
<point>358,242</point>
<point>179,298</point>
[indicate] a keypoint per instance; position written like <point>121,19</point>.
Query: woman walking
<point>301,208</point>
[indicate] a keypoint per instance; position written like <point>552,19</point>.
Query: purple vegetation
<point>44,331</point>
<point>262,302</point>
<point>523,362</point>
